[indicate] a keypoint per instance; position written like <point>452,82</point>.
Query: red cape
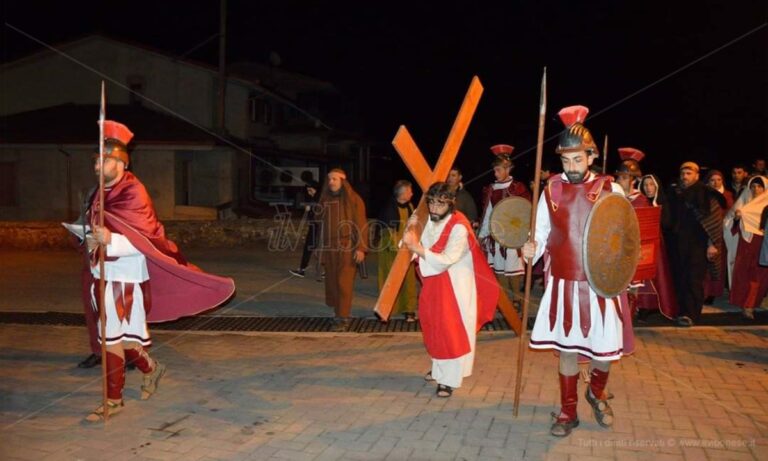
<point>442,328</point>
<point>177,288</point>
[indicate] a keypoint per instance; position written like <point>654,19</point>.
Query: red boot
<point>569,399</point>
<point>115,377</point>
<point>139,357</point>
<point>598,399</point>
<point>115,383</point>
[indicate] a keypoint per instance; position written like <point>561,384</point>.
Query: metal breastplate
<point>567,232</point>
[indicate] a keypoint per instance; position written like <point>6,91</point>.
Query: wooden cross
<point>425,177</point>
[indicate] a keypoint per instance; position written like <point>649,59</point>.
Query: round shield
<point>511,222</point>
<point>611,248</point>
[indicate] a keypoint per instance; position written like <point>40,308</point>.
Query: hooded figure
<point>661,292</point>
<point>749,280</point>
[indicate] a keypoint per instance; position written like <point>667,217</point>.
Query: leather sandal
<point>601,409</point>
<point>151,381</point>
<point>98,414</point>
<point>562,425</point>
<point>444,391</point>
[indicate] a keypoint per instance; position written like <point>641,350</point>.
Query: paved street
<point>687,394</point>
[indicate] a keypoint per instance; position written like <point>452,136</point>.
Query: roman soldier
<point>507,263</point>
<point>137,252</point>
<point>572,318</point>
<point>628,174</point>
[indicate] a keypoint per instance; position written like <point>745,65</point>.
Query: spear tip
<point>543,97</point>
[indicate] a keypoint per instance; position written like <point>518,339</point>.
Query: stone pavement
<point>687,394</point>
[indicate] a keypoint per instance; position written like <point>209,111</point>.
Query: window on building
<point>8,184</point>
<point>260,110</point>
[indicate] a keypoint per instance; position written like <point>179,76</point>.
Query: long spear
<point>102,251</point>
<point>529,267</point>
<point>605,153</point>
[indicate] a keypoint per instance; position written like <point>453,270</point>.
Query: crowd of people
<point>711,239</point>
<point>706,250</point>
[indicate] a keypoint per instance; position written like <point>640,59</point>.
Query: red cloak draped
<point>442,327</point>
<point>177,288</point>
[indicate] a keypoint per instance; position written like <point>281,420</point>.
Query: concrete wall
<point>208,234</point>
<point>43,190</point>
<point>212,178</point>
<point>155,169</point>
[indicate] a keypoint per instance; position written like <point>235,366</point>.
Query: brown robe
<point>344,230</point>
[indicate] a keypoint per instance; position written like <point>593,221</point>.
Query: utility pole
<point>222,94</point>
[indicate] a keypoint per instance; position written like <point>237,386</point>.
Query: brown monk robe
<point>344,237</point>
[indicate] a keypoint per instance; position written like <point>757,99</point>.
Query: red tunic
<point>442,328</point>
<point>750,279</point>
<point>177,288</point>
<point>638,200</point>
<point>494,196</point>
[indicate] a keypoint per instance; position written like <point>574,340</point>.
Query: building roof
<point>248,74</point>
<point>77,124</point>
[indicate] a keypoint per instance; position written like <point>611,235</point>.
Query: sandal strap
<point>443,389</point>
<point>98,413</point>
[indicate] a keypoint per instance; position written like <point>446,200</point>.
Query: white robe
<point>604,340</point>
<point>457,260</point>
<point>130,267</point>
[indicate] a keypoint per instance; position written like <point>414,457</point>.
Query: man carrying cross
<point>459,293</point>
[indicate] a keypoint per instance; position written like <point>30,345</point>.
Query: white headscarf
<point>655,183</point>
<point>751,211</point>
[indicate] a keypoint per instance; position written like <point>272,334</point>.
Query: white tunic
<point>513,264</point>
<point>604,340</point>
<point>457,260</point>
<point>130,267</point>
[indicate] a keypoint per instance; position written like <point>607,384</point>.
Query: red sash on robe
<point>177,288</point>
<point>442,328</point>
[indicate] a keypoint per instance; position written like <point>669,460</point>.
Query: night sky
<point>409,63</point>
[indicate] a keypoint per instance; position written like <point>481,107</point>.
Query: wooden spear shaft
<point>605,153</point>
<point>102,253</point>
<point>529,267</point>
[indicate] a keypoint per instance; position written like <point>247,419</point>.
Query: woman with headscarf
<point>714,288</point>
<point>749,280</point>
<point>659,293</point>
